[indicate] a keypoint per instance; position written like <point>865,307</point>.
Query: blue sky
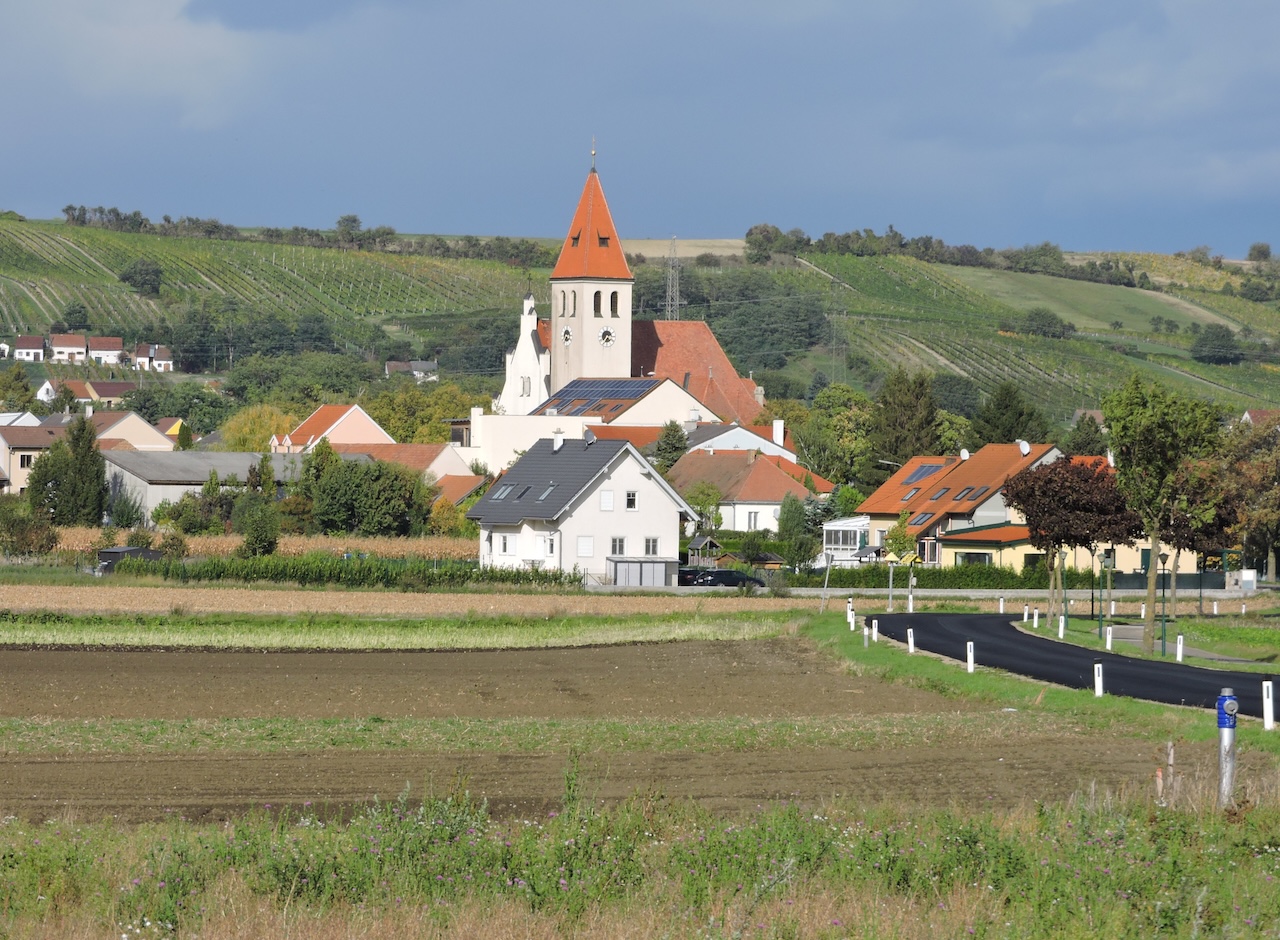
<point>1147,125</point>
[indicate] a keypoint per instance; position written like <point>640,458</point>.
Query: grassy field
<point>437,864</point>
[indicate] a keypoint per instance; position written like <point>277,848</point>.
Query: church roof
<point>687,353</point>
<point>592,249</point>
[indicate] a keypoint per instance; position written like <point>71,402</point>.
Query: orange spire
<point>592,249</point>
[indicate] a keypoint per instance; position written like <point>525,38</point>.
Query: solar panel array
<point>584,394</point>
<point>921,472</point>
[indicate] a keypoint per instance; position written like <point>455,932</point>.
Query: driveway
<point>998,644</point>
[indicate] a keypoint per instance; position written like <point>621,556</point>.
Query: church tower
<point>591,296</point>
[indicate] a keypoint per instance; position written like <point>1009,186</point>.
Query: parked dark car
<point>725,577</point>
<point>686,576</point>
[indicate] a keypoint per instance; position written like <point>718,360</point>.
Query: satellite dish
<point>964,453</point>
<point>589,436</point>
<point>1024,448</point>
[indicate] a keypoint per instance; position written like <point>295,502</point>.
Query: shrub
<point>261,524</point>
<point>139,538</point>
<point>173,546</point>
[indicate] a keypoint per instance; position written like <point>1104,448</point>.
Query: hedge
<point>407,574</point>
<point>959,577</point>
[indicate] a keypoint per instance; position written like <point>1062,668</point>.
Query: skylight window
<point>922,471</point>
<point>962,494</point>
<point>911,492</point>
<point>524,492</point>
<point>941,493</point>
<point>546,492</point>
<point>920,518</point>
<point>504,491</point>
<point>977,494</point>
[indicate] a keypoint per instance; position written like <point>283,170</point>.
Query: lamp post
<point>1104,564</point>
<point>1164,557</point>
<point>1062,581</point>
<point>892,559</point>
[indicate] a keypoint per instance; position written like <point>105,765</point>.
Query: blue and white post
<point>1228,707</point>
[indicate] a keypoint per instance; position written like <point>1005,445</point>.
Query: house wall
<point>141,435</point>
<point>667,402</point>
<point>528,371</point>
<point>13,460</point>
<point>107,357</point>
<point>497,441</point>
<point>739,516</point>
<point>67,354</point>
<point>357,428</point>
<point>585,533</point>
<point>29,355</point>
<point>739,438</point>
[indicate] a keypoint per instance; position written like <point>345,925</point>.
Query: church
<point>589,358</point>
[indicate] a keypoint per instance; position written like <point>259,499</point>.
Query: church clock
<point>607,336</point>
<point>566,336</point>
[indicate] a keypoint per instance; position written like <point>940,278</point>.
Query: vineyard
<point>45,266</point>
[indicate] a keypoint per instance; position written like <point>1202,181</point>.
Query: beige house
<point>106,350</point>
<point>66,347</point>
<point>341,424</point>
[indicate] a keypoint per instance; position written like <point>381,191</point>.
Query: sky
<point>1147,125</point>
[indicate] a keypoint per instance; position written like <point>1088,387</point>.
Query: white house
<point>149,357</point>
<point>595,505</point>
<point>340,424</point>
<point>67,347</point>
<point>29,349</point>
<point>106,350</point>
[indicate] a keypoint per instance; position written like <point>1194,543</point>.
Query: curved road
<point>998,644</point>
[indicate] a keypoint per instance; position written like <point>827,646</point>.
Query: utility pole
<point>673,282</point>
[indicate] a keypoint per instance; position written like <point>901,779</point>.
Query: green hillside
<point>851,317</point>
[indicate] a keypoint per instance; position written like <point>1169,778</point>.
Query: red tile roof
<point>740,475</point>
<point>544,333</point>
<point>67,339</point>
<point>105,389</point>
<point>687,352</point>
<point>592,249</point>
<point>319,423</point>
<point>29,438</point>
<point>106,344</point>
<point>1007,534</point>
<point>29,342</point>
<point>417,457</point>
<point>457,487</point>
<point>638,436</point>
<point>797,472</point>
<point>79,388</point>
<point>168,426</point>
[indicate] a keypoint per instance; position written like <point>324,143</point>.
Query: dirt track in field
<point>762,679</point>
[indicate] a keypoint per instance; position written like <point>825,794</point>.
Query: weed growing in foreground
<point>1126,869</point>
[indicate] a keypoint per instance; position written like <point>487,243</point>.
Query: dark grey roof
<point>545,482</point>
<point>706,432</point>
<point>192,467</point>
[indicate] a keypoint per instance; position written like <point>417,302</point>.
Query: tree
<point>251,429</point>
<point>23,532</point>
<point>1216,344</point>
<point>833,438</point>
<point>902,424</point>
<point>791,518</point>
<point>1260,251</point>
<point>68,483</point>
<point>899,539</point>
<point>1117,325</point>
<point>412,413</point>
<point>752,546</point>
<point>1153,431</point>
<point>1085,439</point>
<point>957,394</point>
<point>184,436</point>
<point>75,316</point>
<point>671,446</point>
<point>348,227</point>
<point>1008,416</point>
<point>144,276</point>
<point>704,498</point>
<point>1253,456</point>
<point>15,390</point>
<point>952,430</point>
<point>1071,503</point>
<point>260,524</point>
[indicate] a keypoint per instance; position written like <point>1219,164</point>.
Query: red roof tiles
<point>687,353</point>
<point>592,249</point>
<point>740,475</point>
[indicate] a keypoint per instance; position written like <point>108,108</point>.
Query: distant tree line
<point>1046,258</point>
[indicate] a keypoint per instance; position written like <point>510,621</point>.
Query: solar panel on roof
<point>922,471</point>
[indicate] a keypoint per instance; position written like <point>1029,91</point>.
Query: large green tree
<point>671,446</point>
<point>1008,416</point>
<point>902,425</point>
<point>15,390</point>
<point>68,483</point>
<point>1216,344</point>
<point>1153,432</point>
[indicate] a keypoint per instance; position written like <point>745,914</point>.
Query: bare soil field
<point>108,599</point>
<point>776,678</point>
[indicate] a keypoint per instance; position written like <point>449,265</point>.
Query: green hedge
<point>407,574</point>
<point>960,577</point>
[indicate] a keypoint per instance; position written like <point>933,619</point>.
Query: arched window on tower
<point>562,303</point>
<point>573,299</point>
<point>613,304</point>
<point>596,303</point>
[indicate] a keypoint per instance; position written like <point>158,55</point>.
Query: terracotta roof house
<point>109,393</point>
<point>106,350</point>
<point>422,370</point>
<point>943,494</point>
<point>20,446</point>
<point>341,424</point>
<point>29,349</point>
<point>687,353</point>
<point>598,506</point>
<point>79,388</point>
<point>752,486</point>
<point>439,460</point>
<point>66,347</point>
<point>457,487</point>
<point>149,357</point>
<point>129,428</point>
<point>1256,416</point>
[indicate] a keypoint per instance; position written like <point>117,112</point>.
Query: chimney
<point>759,395</point>
<point>88,411</point>
<point>779,435</point>
<point>557,440</point>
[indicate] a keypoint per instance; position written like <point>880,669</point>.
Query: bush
<point>958,578</point>
<point>139,538</point>
<point>261,524</point>
<point>108,538</point>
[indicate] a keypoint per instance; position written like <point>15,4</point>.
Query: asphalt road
<point>996,643</point>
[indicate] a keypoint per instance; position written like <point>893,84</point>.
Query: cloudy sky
<point>1148,124</point>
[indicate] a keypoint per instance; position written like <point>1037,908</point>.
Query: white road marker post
<point>1035,620</point>
<point>1026,612</point>
<point>1143,615</point>
<point>1215,608</point>
<point>1113,608</point>
<point>968,648</point>
<point>1268,706</point>
<point>1002,605</point>
<point>1244,608</point>
<point>1228,706</point>
<point>1179,652</point>
<point>1097,678</point>
<point>1062,626</point>
<point>1108,638</point>
<point>875,631</point>
<point>911,640</point>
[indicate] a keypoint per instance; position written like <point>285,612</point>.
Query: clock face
<point>566,336</point>
<point>607,336</point>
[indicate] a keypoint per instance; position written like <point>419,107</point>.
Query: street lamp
<point>1164,557</point>
<point>892,559</point>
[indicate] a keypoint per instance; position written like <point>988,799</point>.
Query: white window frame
<point>633,501</point>
<point>618,545</point>
<point>651,546</point>
<point>586,546</point>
